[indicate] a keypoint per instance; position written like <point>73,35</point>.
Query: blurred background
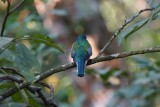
<point>128,82</point>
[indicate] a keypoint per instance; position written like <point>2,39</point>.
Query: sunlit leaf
<point>26,62</point>
<point>127,32</point>
<point>40,38</point>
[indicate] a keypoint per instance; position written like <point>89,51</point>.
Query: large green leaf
<point>4,41</point>
<point>20,97</point>
<point>26,62</point>
<point>17,97</point>
<point>40,38</point>
<point>130,30</point>
<point>5,85</point>
<point>32,101</point>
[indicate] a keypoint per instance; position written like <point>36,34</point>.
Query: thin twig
<point>9,12</point>
<point>46,101</point>
<point>51,90</point>
<point>17,6</point>
<point>5,18</point>
<point>126,22</point>
<point>50,86</point>
<point>13,70</point>
<point>12,78</point>
<point>44,84</point>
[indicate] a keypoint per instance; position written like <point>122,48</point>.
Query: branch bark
<point>47,102</point>
<point>44,84</point>
<point>13,70</point>
<point>12,78</point>
<point>126,22</point>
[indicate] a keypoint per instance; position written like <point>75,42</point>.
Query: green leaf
<point>107,73</point>
<point>20,97</point>
<point>156,12</point>
<point>6,85</point>
<point>26,62</point>
<point>90,71</point>
<point>4,41</point>
<point>152,3</point>
<point>131,30</point>
<point>17,97</point>
<point>40,38</point>
<point>32,101</point>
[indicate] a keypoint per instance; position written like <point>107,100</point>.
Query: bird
<point>81,52</point>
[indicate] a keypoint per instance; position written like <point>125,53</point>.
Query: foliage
<point>28,48</point>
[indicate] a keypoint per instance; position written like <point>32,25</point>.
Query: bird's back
<point>81,48</point>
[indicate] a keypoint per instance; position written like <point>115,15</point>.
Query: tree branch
<point>13,90</point>
<point>46,101</point>
<point>13,70</point>
<point>126,22</point>
<point>5,18</point>
<point>96,60</point>
<point>47,86</point>
<point>12,78</point>
<point>44,84</point>
<point>9,12</point>
<point>17,6</point>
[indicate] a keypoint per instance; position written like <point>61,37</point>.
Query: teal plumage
<point>81,52</point>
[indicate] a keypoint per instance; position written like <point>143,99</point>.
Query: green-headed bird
<point>81,52</point>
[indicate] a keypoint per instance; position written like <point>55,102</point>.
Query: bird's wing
<point>89,50</point>
<point>73,53</point>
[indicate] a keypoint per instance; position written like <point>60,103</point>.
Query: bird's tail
<point>81,68</point>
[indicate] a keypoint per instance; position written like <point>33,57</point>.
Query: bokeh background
<point>128,82</point>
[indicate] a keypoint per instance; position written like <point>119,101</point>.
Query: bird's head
<point>81,37</point>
